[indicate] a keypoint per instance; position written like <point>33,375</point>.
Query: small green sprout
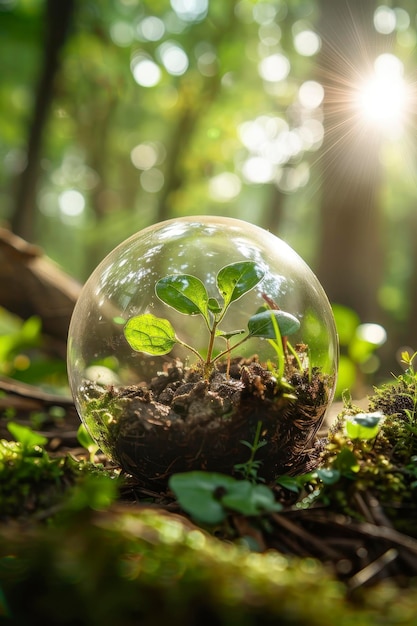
<point>250,468</point>
<point>188,295</point>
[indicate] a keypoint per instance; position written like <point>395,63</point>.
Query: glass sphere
<point>194,335</point>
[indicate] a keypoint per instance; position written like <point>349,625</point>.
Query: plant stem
<point>230,348</point>
<point>182,343</point>
<point>278,347</point>
<point>254,449</point>
<point>211,344</point>
<point>295,355</point>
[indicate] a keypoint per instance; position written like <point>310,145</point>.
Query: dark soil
<point>182,422</point>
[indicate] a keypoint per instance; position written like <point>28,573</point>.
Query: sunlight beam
<point>382,97</point>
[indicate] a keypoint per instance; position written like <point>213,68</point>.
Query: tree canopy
<point>296,116</point>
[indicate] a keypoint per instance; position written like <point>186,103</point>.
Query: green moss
<point>29,479</point>
<point>120,567</point>
<point>382,467</point>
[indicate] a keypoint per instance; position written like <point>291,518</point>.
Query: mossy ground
<point>79,545</point>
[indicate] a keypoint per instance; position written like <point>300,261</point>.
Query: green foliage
<point>375,453</point>
<point>190,129</point>
<point>92,490</point>
<point>150,334</point>
<point>260,324</point>
<point>34,483</point>
<point>98,564</point>
<point>188,295</point>
<point>358,355</point>
<point>208,496</point>
<point>29,478</point>
<point>363,425</point>
<point>24,354</point>
<point>27,437</point>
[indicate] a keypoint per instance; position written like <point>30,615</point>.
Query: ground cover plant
<point>337,543</point>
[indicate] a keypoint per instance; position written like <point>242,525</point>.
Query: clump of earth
<point>182,422</point>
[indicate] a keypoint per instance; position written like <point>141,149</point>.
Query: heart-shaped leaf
<point>184,293</point>
<point>150,334</point>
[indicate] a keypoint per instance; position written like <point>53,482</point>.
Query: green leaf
<point>289,482</point>
<point>207,495</point>
<point>363,425</point>
<point>199,494</point>
<point>346,462</point>
<point>261,324</point>
<point>26,436</point>
<point>150,334</point>
<point>184,293</point>
<point>236,279</point>
<point>250,499</point>
<point>296,483</point>
<point>214,306</point>
<point>85,440</point>
<point>328,476</point>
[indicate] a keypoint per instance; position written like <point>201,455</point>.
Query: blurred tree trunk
<point>197,100</point>
<point>274,211</point>
<point>58,16</point>
<point>350,254</point>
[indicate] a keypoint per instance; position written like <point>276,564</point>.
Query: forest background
<point>297,116</point>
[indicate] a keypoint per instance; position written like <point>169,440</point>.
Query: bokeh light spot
<point>384,20</point>
<point>122,33</point>
<point>225,187</point>
<point>372,333</point>
<point>174,58</point>
<point>71,202</point>
<point>190,10</point>
<point>145,71</point>
<point>152,180</point>
<point>274,67</point>
<point>307,43</point>
<point>311,94</point>
<point>151,28</point>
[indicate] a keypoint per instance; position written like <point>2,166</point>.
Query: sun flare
<point>382,98</point>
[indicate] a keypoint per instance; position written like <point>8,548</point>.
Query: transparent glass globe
<point>186,397</point>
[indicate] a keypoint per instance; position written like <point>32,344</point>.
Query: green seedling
<point>188,295</point>
<point>250,468</point>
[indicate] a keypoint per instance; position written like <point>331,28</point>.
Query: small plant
<point>188,295</point>
<point>209,496</point>
<point>250,468</point>
<point>410,379</point>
